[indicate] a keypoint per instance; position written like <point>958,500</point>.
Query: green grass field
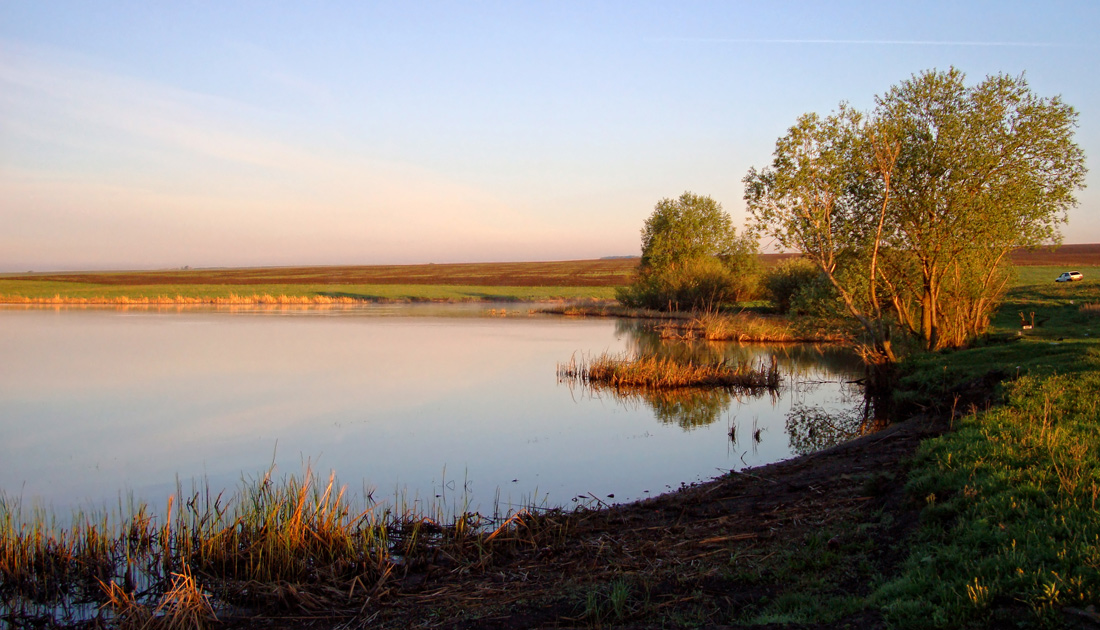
<point>1010,533</point>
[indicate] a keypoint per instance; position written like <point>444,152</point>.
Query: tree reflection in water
<point>689,408</point>
<point>809,428</point>
<point>812,429</point>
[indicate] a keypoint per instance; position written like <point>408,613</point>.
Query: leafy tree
<point>820,197</point>
<point>688,228</point>
<point>692,258</point>
<point>914,208</point>
<point>982,171</point>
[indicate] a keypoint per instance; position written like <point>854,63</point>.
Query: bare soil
<point>1066,255</point>
<point>577,273</point>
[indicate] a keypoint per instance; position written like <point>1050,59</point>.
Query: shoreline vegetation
<point>233,299</point>
<point>653,372</point>
<point>975,508</point>
<point>590,283</point>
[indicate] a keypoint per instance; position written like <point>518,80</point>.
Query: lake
<point>450,405</point>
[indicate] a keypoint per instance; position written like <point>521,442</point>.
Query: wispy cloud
<point>99,165</point>
<point>863,42</point>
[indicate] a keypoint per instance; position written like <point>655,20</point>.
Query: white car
<point>1070,276</point>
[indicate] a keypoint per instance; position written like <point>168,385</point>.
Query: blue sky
<point>152,135</point>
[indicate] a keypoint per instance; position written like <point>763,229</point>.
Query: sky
<point>150,135</point>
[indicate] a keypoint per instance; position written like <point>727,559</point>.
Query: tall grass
<point>656,372</point>
<point>295,543</point>
<point>1011,514</point>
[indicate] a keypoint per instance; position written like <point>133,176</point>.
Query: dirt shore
<point>710,555</point>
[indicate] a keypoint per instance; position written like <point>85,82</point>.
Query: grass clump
<point>655,372</point>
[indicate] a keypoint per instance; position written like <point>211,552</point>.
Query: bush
<point>701,284</point>
<point>798,287</point>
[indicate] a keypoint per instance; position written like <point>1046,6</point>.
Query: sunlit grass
<point>1010,533</point>
<point>1045,274</point>
<point>295,543</point>
<point>656,372</point>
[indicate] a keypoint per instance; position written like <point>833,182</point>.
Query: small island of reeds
<point>654,372</point>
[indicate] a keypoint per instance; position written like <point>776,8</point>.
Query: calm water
<point>422,401</point>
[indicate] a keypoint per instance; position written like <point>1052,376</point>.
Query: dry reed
<point>231,299</point>
<point>655,372</point>
<point>293,543</point>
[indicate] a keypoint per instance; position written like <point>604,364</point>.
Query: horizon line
<point>862,42</point>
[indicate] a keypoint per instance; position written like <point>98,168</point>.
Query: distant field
<point>577,273</point>
<point>576,279</point>
<point>1066,255</point>
<point>321,285</point>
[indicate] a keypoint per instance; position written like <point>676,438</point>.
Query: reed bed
<point>748,327</point>
<point>231,299</point>
<point>294,544</point>
<point>654,372</point>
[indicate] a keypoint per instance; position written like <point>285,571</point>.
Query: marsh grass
<point>295,543</point>
<point>751,327</point>
<point>1011,511</point>
<point>656,372</point>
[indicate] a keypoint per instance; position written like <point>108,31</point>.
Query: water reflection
<point>688,408</point>
<point>813,429</point>
<point>100,402</point>
<point>806,369</point>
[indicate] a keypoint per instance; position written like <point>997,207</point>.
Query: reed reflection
<point>803,369</point>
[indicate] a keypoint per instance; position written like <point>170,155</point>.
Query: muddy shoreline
<point>687,557</point>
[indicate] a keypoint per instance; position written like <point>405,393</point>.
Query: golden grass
<point>1092,308</point>
<point>231,299</point>
<point>653,372</point>
<point>749,327</point>
<point>291,544</point>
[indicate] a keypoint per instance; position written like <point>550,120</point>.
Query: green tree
<point>982,170</point>
<point>688,228</point>
<point>826,195</point>
<point>692,257</point>
<point>914,208</point>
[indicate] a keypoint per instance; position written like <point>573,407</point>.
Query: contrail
<point>858,42</point>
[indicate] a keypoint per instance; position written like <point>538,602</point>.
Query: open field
<point>54,292</point>
<point>568,280</point>
<point>526,281</point>
<point>1079,255</point>
<point>576,273</point>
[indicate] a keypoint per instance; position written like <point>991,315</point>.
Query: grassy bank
<point>1010,528</point>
